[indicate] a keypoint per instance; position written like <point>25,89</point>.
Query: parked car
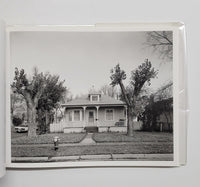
<point>21,128</point>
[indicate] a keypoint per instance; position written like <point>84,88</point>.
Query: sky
<point>84,59</point>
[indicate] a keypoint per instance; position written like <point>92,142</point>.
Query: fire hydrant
<point>56,142</point>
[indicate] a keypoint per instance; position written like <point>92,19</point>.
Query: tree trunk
<point>130,122</point>
<point>56,115</point>
<point>47,120</point>
<point>32,125</point>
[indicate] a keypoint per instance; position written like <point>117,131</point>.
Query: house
<point>164,97</point>
<point>164,121</point>
<point>158,115</point>
<point>93,112</point>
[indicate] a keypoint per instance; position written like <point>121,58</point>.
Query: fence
<point>56,127</point>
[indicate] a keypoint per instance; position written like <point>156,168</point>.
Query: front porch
<point>59,128</point>
<point>96,118</point>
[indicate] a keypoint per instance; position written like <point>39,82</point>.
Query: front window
<point>77,115</point>
<point>109,114</point>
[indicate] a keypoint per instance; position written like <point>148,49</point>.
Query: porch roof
<point>104,101</point>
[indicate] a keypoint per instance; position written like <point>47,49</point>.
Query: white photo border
<point>132,27</point>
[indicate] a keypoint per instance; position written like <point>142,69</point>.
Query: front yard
<point>136,148</point>
<point>137,137</point>
<point>23,139</point>
<point>107,143</point>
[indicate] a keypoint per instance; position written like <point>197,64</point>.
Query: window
<point>94,98</point>
<point>77,116</point>
<point>109,114</point>
<point>70,115</point>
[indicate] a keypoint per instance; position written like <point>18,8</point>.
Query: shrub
<point>17,121</point>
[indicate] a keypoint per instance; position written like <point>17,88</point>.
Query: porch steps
<point>91,129</point>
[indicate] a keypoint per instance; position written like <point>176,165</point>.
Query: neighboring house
<point>158,115</point>
<point>93,112</point>
<point>164,121</point>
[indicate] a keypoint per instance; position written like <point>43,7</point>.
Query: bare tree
<point>164,92</point>
<point>109,91</point>
<point>143,74</point>
<point>161,42</point>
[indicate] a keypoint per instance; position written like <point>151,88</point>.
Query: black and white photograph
<point>99,93</point>
<point>91,96</point>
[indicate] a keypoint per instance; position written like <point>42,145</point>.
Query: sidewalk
<point>88,140</point>
<point>108,157</point>
<point>86,143</point>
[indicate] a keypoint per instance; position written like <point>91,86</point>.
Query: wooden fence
<point>56,127</point>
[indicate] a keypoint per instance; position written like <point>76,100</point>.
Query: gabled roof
<point>104,101</point>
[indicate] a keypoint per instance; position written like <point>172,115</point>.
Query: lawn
<point>22,138</point>
<point>137,137</point>
<point>135,148</point>
<point>140,143</point>
<point>17,135</point>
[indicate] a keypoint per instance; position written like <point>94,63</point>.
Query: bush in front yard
<point>17,121</point>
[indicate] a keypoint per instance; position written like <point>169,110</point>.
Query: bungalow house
<point>94,112</point>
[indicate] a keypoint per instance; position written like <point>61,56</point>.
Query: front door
<point>91,117</point>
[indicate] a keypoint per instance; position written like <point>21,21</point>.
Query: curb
<point>147,157</point>
<point>84,144</point>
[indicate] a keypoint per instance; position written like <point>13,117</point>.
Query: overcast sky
<point>84,59</point>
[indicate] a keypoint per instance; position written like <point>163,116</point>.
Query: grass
<point>140,143</point>
<point>136,148</point>
<point>137,137</point>
<point>17,135</point>
<point>46,138</point>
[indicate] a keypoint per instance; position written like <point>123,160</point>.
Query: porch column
<point>64,115</point>
<point>126,115</point>
<point>84,113</point>
<point>97,117</point>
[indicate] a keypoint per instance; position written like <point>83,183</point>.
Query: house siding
<point>162,124</point>
<point>118,113</point>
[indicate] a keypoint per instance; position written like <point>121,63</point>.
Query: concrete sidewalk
<point>88,140</point>
<point>86,143</point>
<point>103,157</point>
